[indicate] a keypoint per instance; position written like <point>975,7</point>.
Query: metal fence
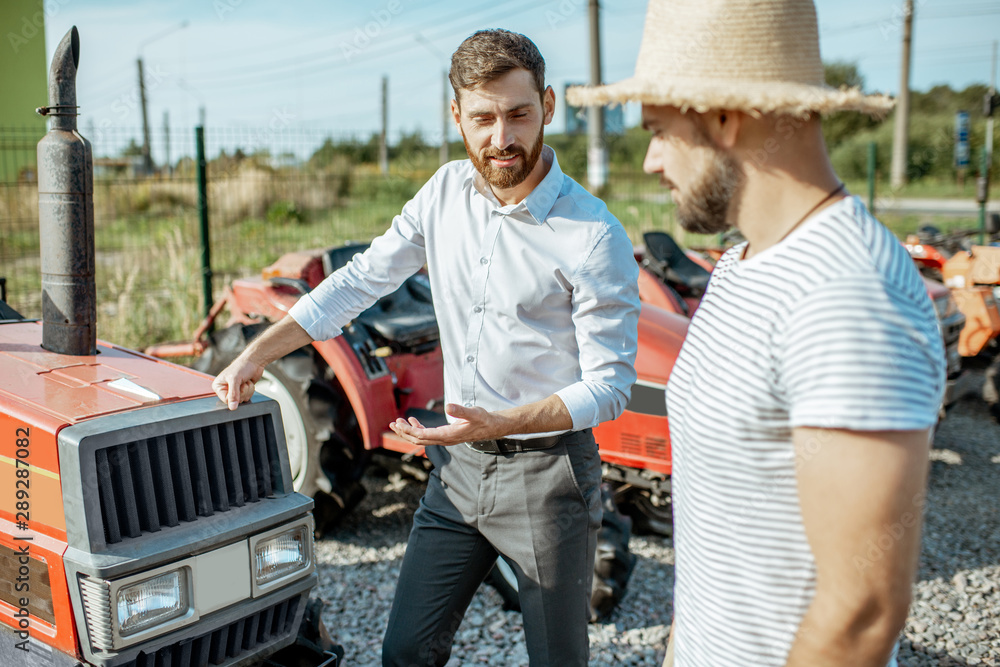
<point>269,191</point>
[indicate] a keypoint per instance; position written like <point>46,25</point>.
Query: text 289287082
<point>22,516</point>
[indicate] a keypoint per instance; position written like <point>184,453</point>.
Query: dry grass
<point>150,296</point>
<point>148,247</point>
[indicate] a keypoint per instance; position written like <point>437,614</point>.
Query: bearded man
<point>535,293</point>
<point>803,400</point>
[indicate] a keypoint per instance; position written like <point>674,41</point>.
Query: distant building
<point>23,80</point>
<point>576,117</point>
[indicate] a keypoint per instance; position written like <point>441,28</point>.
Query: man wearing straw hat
<point>802,403</point>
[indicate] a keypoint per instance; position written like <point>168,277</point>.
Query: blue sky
<point>318,63</point>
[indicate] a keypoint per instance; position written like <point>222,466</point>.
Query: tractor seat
<point>674,262</point>
<point>406,316</point>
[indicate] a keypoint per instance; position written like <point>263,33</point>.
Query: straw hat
<point>759,56</point>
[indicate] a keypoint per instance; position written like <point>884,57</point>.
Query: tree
<point>133,149</point>
<point>842,125</point>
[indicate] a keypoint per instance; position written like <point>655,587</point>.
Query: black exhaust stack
<point>66,215</point>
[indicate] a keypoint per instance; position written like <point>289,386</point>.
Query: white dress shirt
<point>532,299</point>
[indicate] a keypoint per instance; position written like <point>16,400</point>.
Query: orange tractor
<point>972,272</point>
<point>141,522</point>
<point>973,275</point>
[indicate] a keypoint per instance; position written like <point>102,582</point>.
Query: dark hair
<point>487,55</point>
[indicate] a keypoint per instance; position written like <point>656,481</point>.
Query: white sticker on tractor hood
<point>123,384</point>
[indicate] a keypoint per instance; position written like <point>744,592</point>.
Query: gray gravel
<point>954,619</point>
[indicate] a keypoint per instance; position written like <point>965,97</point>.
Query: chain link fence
<point>270,191</point>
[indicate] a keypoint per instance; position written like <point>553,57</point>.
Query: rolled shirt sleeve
<point>380,270</point>
<point>606,317</point>
<point>532,299</point>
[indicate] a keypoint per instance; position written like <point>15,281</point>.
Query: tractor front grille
<point>227,643</point>
<point>148,484</point>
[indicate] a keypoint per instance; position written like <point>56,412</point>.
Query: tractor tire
<point>991,388</point>
<point>323,462</point>
<point>613,565</point>
<point>650,515</point>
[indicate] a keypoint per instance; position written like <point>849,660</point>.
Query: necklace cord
<point>833,193</point>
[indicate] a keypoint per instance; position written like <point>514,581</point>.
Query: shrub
<point>284,211</point>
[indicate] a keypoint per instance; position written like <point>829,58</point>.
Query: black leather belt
<point>510,445</point>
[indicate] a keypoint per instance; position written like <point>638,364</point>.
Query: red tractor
<point>338,396</point>
<point>676,279</point>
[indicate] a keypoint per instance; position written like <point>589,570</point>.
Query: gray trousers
<point>540,510</point>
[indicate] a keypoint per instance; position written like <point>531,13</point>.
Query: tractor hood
<point>661,335</point>
<point>75,388</point>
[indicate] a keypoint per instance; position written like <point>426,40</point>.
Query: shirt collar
<point>540,200</point>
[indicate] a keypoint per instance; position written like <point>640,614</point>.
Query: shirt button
<point>477,309</point>
<point>468,405</point>
<point>485,475</point>
<point>470,358</point>
<point>484,261</point>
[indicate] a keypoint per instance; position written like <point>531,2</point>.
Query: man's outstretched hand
<point>472,424</point>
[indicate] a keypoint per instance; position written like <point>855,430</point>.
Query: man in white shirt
<point>534,285</point>
<point>802,403</point>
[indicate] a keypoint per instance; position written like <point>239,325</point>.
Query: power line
<point>335,57</point>
<point>895,20</point>
<point>976,47</point>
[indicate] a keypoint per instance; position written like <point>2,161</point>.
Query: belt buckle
<point>486,446</point>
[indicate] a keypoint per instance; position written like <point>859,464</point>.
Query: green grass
<point>149,261</point>
<point>901,225</point>
<point>927,188</point>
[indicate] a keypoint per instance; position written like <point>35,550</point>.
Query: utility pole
<point>902,135</point>
<point>597,154</point>
<point>147,159</point>
<point>383,148</point>
<point>445,119</point>
<point>990,105</point>
<point>446,108</point>
<point>989,123</point>
<point>166,142</point>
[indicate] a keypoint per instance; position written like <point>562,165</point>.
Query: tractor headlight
<point>280,555</point>
<point>152,602</point>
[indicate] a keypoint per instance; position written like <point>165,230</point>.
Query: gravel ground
<point>954,619</point>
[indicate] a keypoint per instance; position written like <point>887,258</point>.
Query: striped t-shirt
<point>830,328</point>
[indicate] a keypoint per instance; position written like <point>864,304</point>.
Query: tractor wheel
<point>323,462</point>
<point>652,514</point>
<point>612,566</point>
<point>991,388</point>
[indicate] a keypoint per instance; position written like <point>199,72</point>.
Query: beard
<point>706,208</point>
<point>505,178</point>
